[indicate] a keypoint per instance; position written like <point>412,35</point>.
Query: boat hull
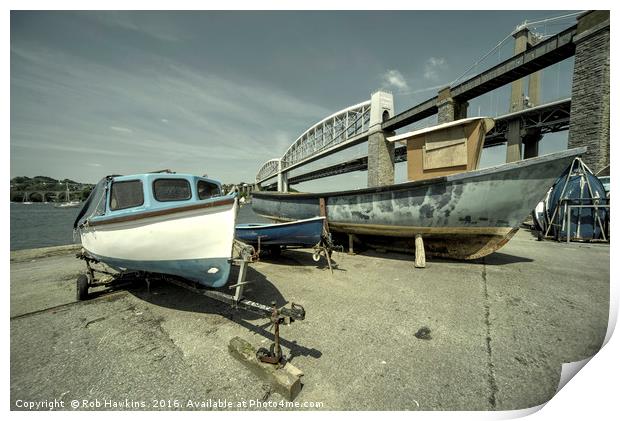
<point>195,244</point>
<point>305,233</point>
<point>462,216</point>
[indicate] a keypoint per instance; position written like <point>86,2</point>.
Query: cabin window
<point>171,189</point>
<point>207,190</point>
<point>126,194</point>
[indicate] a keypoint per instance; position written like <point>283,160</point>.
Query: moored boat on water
<point>68,203</point>
<point>175,224</point>
<point>461,212</point>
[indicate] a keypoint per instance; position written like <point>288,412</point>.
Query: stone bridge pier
<point>380,151</point>
<point>589,111</point>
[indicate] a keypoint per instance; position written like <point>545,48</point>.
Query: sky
<point>219,93</point>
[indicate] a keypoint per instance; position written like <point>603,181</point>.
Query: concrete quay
<point>378,335</point>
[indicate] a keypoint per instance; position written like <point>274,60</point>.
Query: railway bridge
<point>44,196</point>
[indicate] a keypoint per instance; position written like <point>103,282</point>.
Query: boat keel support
<point>420,256</point>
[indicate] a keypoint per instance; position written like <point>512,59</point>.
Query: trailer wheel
<point>82,288</point>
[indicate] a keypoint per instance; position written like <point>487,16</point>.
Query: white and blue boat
<point>174,224</point>
<point>302,233</point>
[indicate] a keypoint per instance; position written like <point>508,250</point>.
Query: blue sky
<point>96,93</point>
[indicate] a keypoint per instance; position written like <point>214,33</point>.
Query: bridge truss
<point>336,132</point>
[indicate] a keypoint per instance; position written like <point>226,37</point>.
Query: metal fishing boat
<point>173,224</point>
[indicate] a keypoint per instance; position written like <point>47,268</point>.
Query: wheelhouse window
<point>126,194</point>
<point>207,190</point>
<point>171,189</point>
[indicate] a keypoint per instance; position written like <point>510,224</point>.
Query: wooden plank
<point>286,380</point>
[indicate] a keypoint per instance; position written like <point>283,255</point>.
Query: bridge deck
<point>553,50</point>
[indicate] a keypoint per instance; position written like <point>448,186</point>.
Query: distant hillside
<point>44,183</point>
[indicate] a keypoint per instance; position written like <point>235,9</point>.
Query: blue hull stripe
<point>193,269</point>
<point>307,233</point>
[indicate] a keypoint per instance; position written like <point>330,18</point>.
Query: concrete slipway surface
<point>499,330</point>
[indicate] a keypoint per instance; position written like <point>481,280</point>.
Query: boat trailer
<point>245,255</point>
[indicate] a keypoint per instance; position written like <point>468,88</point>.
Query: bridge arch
<point>49,196</point>
<point>36,197</point>
<point>336,132</point>
<point>268,170</point>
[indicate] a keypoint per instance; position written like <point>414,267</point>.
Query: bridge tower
<point>282,178</point>
<point>448,108</point>
<point>589,111</point>
<point>380,151</point>
<point>516,136</point>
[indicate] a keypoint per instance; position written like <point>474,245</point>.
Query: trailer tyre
<point>82,288</point>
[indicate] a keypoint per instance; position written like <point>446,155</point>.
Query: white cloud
<point>216,118</point>
<point>150,24</point>
<point>433,66</point>
<point>394,78</point>
<point>121,129</point>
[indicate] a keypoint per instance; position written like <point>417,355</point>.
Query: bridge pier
<point>448,109</point>
<point>380,160</point>
<point>380,151</point>
<point>282,179</point>
<point>522,144</point>
<point>525,40</point>
<point>589,111</point>
<point>531,139</point>
<point>513,138</point>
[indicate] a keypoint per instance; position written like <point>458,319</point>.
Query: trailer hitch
<point>279,316</point>
<point>237,301</point>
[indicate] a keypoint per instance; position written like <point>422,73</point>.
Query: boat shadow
<point>300,257</point>
<point>499,259</point>
<point>494,259</point>
<point>168,295</point>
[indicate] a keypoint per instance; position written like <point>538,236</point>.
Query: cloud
<point>394,78</point>
<point>433,66</point>
<point>151,24</point>
<point>121,129</point>
<point>212,120</point>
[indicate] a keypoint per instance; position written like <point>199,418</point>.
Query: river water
<point>42,225</point>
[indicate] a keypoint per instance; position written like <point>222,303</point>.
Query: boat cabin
<point>445,149</point>
<point>132,194</point>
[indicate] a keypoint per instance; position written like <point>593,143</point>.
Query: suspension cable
<point>517,29</point>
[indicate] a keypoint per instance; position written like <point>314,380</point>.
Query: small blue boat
<point>304,233</point>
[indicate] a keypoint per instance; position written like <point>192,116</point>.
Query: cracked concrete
<point>498,330</point>
<point>487,313</point>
